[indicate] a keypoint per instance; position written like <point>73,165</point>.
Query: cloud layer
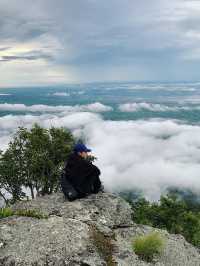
<point>93,107</point>
<point>147,155</point>
<point>135,107</point>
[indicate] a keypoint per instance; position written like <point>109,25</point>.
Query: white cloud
<point>81,92</point>
<point>135,107</point>
<point>93,107</point>
<point>148,155</point>
<point>65,94</point>
<point>98,107</point>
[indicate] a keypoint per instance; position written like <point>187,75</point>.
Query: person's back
<point>80,176</point>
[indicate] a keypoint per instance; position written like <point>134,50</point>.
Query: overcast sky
<point>53,42</point>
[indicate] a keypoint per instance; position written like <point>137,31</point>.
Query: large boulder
<point>97,230</point>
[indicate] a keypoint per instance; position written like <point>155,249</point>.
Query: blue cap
<point>80,148</point>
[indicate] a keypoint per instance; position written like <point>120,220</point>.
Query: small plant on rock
<point>5,212</point>
<point>147,246</point>
<point>31,213</point>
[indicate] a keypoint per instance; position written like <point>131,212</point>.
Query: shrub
<point>5,212</point>
<point>147,246</point>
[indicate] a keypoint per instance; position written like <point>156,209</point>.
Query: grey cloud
<point>34,55</point>
<point>104,34</point>
<point>191,23</point>
<point>22,29</point>
<point>4,48</point>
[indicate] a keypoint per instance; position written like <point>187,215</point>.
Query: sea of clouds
<point>146,155</point>
<point>93,107</point>
<point>97,107</point>
<point>154,107</point>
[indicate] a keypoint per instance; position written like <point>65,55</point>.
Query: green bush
<point>147,246</point>
<point>5,212</point>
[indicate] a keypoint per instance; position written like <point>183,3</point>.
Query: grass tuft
<point>148,246</point>
<point>6,212</point>
<point>31,213</point>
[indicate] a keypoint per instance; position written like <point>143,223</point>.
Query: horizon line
<point>100,82</point>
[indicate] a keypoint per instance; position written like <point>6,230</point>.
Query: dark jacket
<point>82,175</point>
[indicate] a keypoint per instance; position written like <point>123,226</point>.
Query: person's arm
<point>97,185</point>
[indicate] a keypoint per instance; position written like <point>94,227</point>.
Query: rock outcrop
<point>94,231</point>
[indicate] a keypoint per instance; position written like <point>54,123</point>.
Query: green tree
<point>10,174</point>
<point>191,227</point>
<point>171,213</point>
<point>142,211</point>
<point>34,159</point>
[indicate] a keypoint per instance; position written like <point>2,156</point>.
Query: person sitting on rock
<point>80,176</point>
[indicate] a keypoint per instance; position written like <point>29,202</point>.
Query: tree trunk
<point>32,192</point>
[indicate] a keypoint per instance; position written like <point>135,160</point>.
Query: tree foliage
<point>171,213</point>
<point>33,160</point>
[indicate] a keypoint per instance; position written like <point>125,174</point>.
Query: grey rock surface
<point>73,230</point>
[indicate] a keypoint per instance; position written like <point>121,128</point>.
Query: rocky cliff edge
<point>94,231</point>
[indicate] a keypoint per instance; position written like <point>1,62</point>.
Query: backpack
<point>69,191</point>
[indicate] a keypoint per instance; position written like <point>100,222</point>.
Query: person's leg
<point>95,182</point>
<point>68,190</point>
